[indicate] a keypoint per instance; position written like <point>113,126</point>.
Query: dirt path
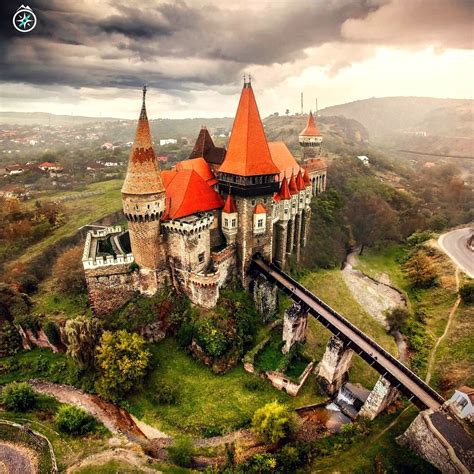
<point>16,459</point>
<point>452,312</point>
<point>118,454</point>
<point>115,419</point>
<point>376,297</point>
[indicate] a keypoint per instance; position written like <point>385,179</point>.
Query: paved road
<point>454,243</point>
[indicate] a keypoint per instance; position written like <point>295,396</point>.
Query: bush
<point>181,452</point>
<point>74,421</point>
<point>254,385</point>
<point>165,394</point>
<point>211,337</point>
<point>467,292</point>
<point>397,318</point>
<point>29,321</point>
<point>52,333</point>
<point>418,238</point>
<point>272,422</point>
<point>19,397</point>
<point>420,271</point>
<point>10,339</point>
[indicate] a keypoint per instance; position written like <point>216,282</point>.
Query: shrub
<point>260,464</point>
<point>68,271</point>
<point>181,452</point>
<point>211,337</point>
<point>165,394</point>
<point>272,422</point>
<point>29,321</point>
<point>19,397</point>
<point>52,333</point>
<point>397,318</point>
<point>467,292</point>
<point>420,271</point>
<point>418,238</point>
<point>83,335</point>
<point>254,385</point>
<point>74,421</point>
<point>28,283</point>
<point>123,360</point>
<point>10,340</point>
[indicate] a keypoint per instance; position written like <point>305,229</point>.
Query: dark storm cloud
<point>180,45</point>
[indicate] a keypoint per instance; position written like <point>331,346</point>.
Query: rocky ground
<point>17,459</point>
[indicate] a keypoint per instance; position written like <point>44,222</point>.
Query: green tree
<point>272,422</point>
<point>12,303</point>
<point>83,335</point>
<point>123,360</point>
<point>397,317</point>
<point>73,420</point>
<point>19,397</point>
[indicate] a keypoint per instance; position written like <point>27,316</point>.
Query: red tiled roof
<point>292,185</point>
<point>229,205</point>
<point>248,153</point>
<point>187,193</point>
<point>276,197</point>
<point>306,178</point>
<point>315,164</point>
<point>259,209</point>
<point>143,173</point>
<point>468,391</point>
<point>285,190</point>
<point>283,159</point>
<point>201,167</point>
<point>311,129</point>
<point>47,164</point>
<point>300,181</point>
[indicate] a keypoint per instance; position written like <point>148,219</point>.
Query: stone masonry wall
<point>381,396</point>
<point>111,287</point>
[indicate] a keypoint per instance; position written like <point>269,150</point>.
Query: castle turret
<point>143,199</point>
<point>230,220</point>
<point>249,170</point>
<point>310,139</point>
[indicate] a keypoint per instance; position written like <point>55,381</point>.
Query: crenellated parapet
<point>109,260</point>
<point>189,226</point>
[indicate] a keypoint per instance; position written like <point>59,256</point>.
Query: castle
<point>198,225</point>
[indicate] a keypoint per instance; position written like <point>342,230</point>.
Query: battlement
<point>90,260</point>
<point>190,224</point>
<point>204,279</point>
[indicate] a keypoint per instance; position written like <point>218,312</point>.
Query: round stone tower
<point>311,139</point>
<point>144,202</point>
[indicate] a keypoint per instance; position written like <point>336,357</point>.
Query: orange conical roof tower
<point>311,129</point>
<point>285,190</point>
<point>229,206</point>
<point>292,185</point>
<point>248,153</point>
<point>300,181</point>
<point>143,173</point>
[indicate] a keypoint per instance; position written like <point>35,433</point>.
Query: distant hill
<point>388,115</point>
<point>44,118</point>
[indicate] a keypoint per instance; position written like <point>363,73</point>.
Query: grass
<point>68,449</point>
<point>270,356</point>
<point>372,452</point>
<point>208,403</point>
<point>80,212</point>
<point>56,305</point>
<point>330,287</point>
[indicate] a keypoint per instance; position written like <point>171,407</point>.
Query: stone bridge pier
<point>295,322</point>
<point>334,366</point>
<point>381,396</point>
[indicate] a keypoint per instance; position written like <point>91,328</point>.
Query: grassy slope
<point>205,400</point>
<point>80,212</point>
<point>330,287</point>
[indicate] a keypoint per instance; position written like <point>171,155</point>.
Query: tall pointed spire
<point>248,153</point>
<point>143,173</point>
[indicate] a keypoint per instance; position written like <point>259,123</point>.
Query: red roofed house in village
<point>198,224</point>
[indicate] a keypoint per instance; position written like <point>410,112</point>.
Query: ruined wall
<point>280,236</point>
<point>283,383</point>
<point>295,321</point>
<point>110,287</point>
<point>265,296</point>
<point>381,396</point>
<point>334,365</point>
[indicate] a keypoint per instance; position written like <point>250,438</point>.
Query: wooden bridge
<point>400,376</point>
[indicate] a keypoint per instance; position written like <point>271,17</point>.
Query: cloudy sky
<point>91,57</point>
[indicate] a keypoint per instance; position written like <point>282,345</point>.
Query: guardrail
<point>261,263</point>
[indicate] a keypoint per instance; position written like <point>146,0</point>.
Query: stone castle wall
<point>110,287</point>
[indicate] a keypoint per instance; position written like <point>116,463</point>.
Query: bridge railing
<point>361,334</point>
